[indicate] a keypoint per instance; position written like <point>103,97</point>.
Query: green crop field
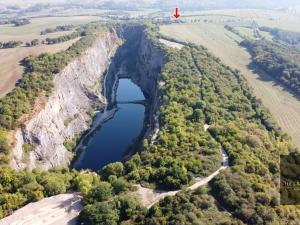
<point>284,106</point>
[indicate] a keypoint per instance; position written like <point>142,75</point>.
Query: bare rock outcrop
<point>77,92</point>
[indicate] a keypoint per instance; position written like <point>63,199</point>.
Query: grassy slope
<point>284,107</point>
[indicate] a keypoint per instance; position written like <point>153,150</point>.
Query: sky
<point>182,3</point>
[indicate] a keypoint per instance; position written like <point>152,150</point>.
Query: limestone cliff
<point>77,92</point>
<point>150,60</point>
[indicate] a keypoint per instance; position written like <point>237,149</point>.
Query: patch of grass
<point>69,120</point>
<point>27,148</point>
<point>71,144</point>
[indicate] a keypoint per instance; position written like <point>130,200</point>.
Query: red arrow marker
<point>177,15</point>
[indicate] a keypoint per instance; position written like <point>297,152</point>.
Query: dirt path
<point>57,210</point>
<point>171,44</point>
<point>149,197</point>
<point>64,209</point>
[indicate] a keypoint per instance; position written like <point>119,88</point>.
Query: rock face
<point>77,92</point>
<point>149,65</point>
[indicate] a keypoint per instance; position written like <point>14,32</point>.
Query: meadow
<point>284,106</point>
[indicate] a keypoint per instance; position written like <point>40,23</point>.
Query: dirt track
<point>57,210</point>
<point>149,197</point>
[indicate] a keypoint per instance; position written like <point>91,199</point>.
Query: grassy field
<point>249,33</point>
<point>11,70</point>
<point>39,24</point>
<point>284,106</point>
<point>288,20</point>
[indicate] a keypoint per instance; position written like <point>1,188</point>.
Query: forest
<point>247,193</point>
<point>183,150</point>
<point>197,89</point>
<point>280,61</point>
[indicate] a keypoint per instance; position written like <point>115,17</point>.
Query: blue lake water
<point>111,141</point>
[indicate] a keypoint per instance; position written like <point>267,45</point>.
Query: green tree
<point>116,169</point>
<point>100,213</point>
<point>54,185</point>
<point>120,185</point>
<point>101,192</point>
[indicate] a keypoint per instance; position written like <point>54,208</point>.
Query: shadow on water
<point>121,134</point>
<point>110,142</point>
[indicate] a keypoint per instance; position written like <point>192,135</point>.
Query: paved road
<point>57,210</point>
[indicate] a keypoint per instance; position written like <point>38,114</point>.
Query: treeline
<point>19,188</point>
<point>57,29</point>
<point>188,208</point>
<point>10,44</point>
<point>32,43</point>
<point>110,201</point>
<point>20,22</point>
<point>15,21</point>
<point>249,189</point>
<point>235,31</point>
<point>289,37</point>
<point>279,61</point>
<point>64,38</point>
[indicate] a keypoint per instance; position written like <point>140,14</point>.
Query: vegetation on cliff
<point>195,88</point>
<point>249,189</point>
<point>37,81</point>
<point>67,37</point>
<point>57,29</point>
<point>19,188</point>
